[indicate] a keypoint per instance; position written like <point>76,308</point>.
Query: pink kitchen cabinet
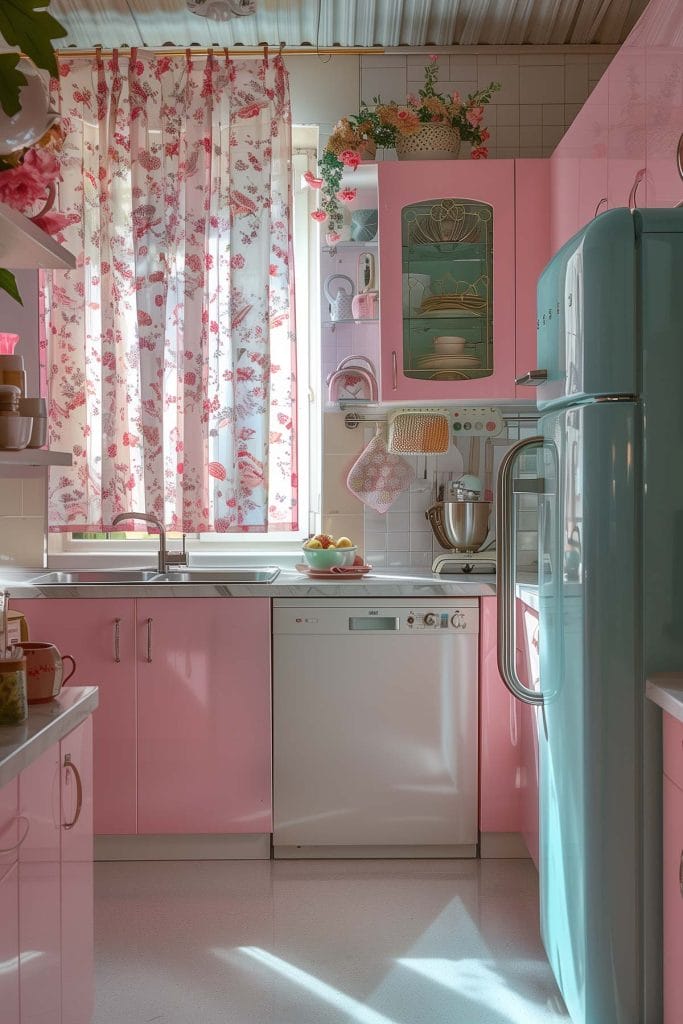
<point>10,836</point>
<point>673,902</point>
<point>500,808</point>
<point>99,634</point>
<point>403,184</point>
<point>204,716</point>
<point>532,252</point>
<point>40,891</point>
<point>76,800</point>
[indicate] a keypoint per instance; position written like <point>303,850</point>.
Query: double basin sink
<point>174,575</point>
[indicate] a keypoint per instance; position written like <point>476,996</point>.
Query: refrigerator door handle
<point>505,575</point>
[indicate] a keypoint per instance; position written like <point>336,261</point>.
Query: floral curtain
<point>170,349</point>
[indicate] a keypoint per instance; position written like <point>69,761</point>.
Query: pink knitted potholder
<point>378,476</point>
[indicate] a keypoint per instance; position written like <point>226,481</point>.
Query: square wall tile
<point>507,114</point>
<point>336,435</point>
<point>576,83</point>
<point>389,83</point>
<point>397,559</point>
<point>397,521</point>
<point>506,74</point>
<point>530,113</point>
<point>462,67</point>
<point>553,113</point>
<point>541,83</point>
<point>345,526</point>
<point>10,497</point>
<point>22,541</point>
<point>337,498</point>
<point>531,136</point>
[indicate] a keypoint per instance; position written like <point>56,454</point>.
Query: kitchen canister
<point>36,408</point>
<point>13,703</point>
<point>45,671</point>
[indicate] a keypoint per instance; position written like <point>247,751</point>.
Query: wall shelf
<point>23,246</point>
<point>34,457</point>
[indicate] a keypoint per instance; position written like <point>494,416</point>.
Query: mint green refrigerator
<point>609,481</point>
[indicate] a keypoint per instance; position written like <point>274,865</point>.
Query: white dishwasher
<point>375,727</point>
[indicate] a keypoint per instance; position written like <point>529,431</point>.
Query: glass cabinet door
<point>447,290</point>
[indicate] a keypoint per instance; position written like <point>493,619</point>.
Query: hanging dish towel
<point>379,476</point>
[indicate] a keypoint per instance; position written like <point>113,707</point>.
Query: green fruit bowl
<point>325,558</point>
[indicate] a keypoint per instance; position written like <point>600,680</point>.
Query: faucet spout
<point>147,517</point>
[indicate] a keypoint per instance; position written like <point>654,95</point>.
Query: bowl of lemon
<point>324,552</point>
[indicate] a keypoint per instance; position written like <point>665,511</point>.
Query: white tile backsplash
<point>23,524</point>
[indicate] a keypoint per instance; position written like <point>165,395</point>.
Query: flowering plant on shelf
<point>356,137</point>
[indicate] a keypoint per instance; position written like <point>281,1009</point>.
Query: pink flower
<point>350,158</point>
<point>413,100</point>
<point>475,116</point>
<point>456,98</point>
<point>433,57</point>
<point>310,179</point>
<point>331,237</point>
<point>479,153</point>
<point>484,134</point>
<point>407,119</point>
<point>347,195</point>
<point>319,215</point>
<point>22,186</point>
<point>52,223</point>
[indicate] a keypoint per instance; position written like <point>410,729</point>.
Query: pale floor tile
<point>321,942</point>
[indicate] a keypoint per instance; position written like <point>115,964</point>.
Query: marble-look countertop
<point>289,583</point>
<point>46,725</point>
<point>666,690</point>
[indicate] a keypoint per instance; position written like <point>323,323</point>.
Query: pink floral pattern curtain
<point>170,349</point>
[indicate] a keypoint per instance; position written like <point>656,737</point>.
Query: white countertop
<point>289,583</point>
<point>666,690</point>
<point>46,724</point>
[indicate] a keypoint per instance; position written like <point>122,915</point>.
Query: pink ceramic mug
<point>45,671</point>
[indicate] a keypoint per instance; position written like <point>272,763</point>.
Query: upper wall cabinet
<point>447,244</point>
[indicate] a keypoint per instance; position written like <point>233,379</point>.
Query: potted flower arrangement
<point>429,125</point>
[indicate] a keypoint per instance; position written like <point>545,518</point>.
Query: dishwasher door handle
<point>379,624</point>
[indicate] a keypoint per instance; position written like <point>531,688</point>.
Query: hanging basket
<point>433,141</point>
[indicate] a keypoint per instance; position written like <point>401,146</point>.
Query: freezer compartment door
<point>586,317</point>
<point>589,791</point>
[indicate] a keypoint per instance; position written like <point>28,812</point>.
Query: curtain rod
<point>233,51</point>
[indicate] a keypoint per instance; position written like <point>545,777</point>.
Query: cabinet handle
<point>149,639</point>
<point>117,640</point>
<point>679,157</point>
<point>680,874</point>
<point>632,204</point>
<point>68,763</point>
<point>394,371</point>
<point>27,827</point>
<point>597,208</point>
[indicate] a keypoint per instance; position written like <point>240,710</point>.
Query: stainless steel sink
<point>94,577</point>
<point>227,574</point>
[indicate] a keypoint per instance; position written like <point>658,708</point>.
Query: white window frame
<point>64,549</point>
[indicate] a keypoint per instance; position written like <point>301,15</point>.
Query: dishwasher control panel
<point>462,620</point>
<point>405,618</point>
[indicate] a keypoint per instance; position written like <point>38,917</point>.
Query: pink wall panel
<point>673,903</point>
<point>9,903</point>
<point>532,252</point>
<point>500,740</point>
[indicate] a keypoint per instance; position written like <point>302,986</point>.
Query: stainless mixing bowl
<point>464,525</point>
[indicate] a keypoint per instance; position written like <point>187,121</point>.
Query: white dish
<point>449,345</point>
<point>444,314</point>
<point>448,362</point>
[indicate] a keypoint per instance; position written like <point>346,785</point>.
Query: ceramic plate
<point>344,572</point>
<point>448,362</point>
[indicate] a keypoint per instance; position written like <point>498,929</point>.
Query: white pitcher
<point>340,302</point>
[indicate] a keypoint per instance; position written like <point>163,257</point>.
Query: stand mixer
<point>461,526</point>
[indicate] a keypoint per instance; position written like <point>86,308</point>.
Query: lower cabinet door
<point>99,635</point>
<point>39,891</point>
<point>10,837</point>
<point>77,875</point>
<point>673,903</point>
<point>204,716</point>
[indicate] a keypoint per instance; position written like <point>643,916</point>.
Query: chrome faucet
<point>165,558</point>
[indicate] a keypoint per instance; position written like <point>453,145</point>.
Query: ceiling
<point>348,23</point>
